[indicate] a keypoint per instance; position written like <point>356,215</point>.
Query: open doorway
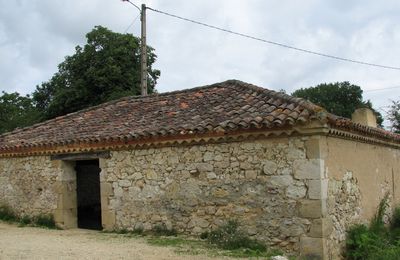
<point>88,194</point>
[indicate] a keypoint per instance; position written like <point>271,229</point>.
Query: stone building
<point>292,174</point>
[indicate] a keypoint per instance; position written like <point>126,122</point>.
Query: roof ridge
<point>323,114</point>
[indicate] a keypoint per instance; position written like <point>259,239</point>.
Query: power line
<point>132,4</point>
<point>134,20</point>
<point>378,89</point>
<point>273,43</point>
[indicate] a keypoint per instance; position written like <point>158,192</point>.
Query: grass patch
<point>376,240</point>
<point>230,237</point>
<point>227,240</point>
<point>44,220</point>
<point>7,214</point>
<point>187,246</point>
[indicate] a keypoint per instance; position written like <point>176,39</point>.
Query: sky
<point>36,35</point>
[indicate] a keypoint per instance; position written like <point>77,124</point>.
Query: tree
<point>16,111</point>
<point>393,116</point>
<point>340,98</point>
<point>107,67</point>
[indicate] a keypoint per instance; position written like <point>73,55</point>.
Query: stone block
<point>251,174</point>
<point>204,167</point>
<point>124,183</point>
<point>70,218</point>
<point>208,156</point>
<point>69,200</point>
<point>296,192</point>
<point>105,188</point>
<point>151,174</point>
<point>312,248</point>
<point>281,180</point>
<point>59,217</point>
<point>308,169</point>
<point>104,202</point>
<point>270,168</point>
<point>108,219</point>
<point>321,228</point>
<point>313,150</point>
<point>103,163</point>
<point>312,208</point>
<point>318,189</point>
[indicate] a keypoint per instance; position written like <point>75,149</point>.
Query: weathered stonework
<point>195,189</point>
<point>344,210</point>
<point>28,184</point>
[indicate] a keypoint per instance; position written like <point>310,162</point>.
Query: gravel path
<point>37,243</point>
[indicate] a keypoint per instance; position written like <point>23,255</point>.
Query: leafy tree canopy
<point>393,116</point>
<point>340,98</point>
<point>16,111</point>
<point>107,67</point>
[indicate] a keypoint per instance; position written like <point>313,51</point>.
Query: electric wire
<point>379,89</point>
<point>132,4</point>
<point>272,42</point>
<point>134,20</point>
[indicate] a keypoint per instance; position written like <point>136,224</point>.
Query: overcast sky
<point>36,35</point>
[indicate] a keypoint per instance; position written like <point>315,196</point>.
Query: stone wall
<point>359,176</point>
<point>297,193</point>
<point>28,184</point>
<point>264,184</point>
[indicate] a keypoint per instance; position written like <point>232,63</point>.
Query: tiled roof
<point>223,107</point>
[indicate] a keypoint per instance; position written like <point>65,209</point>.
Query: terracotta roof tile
<point>227,106</point>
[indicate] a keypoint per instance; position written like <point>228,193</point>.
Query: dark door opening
<point>88,194</point>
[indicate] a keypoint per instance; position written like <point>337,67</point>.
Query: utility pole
<point>143,54</point>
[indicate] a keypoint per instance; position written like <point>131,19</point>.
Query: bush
<point>375,241</point>
<point>45,220</point>
<point>230,237</point>
<point>25,220</point>
<point>7,214</point>
<point>42,220</point>
<point>162,230</point>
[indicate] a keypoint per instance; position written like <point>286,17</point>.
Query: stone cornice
<point>83,147</point>
<point>339,133</point>
<point>314,127</point>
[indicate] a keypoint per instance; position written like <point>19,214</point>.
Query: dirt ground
<point>38,243</point>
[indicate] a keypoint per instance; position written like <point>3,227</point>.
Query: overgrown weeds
<point>232,238</point>
<point>376,240</point>
<point>7,214</point>
<point>163,230</point>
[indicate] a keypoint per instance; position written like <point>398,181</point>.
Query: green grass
<point>188,246</point>
<point>230,237</point>
<point>227,240</point>
<point>234,242</point>
<point>376,240</point>
<point>7,214</point>
<point>162,230</point>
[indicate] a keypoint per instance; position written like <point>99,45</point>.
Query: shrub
<point>25,220</point>
<point>230,237</point>
<point>44,220</point>
<point>162,230</point>
<point>7,214</point>
<point>375,241</point>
